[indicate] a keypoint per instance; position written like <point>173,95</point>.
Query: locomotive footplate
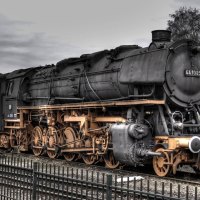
<point>98,104</point>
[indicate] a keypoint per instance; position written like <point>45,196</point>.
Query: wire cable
<point>91,86</point>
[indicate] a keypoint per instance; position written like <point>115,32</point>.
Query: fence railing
<point>23,179</point>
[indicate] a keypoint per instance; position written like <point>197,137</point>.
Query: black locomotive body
<point>127,105</point>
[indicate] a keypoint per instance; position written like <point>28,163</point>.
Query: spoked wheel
<point>4,141</point>
<point>52,142</point>
<point>161,164</point>
<point>24,140</point>
<point>69,138</point>
<point>36,141</point>
<point>13,138</point>
<point>89,159</point>
<point>110,160</point>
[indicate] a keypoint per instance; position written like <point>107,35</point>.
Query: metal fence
<point>23,179</point>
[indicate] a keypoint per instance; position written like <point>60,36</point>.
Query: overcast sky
<point>39,32</point>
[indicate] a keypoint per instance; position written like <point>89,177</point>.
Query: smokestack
<point>161,36</point>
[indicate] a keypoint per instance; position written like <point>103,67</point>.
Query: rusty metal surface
<point>93,105</point>
<point>109,119</point>
<point>79,149</point>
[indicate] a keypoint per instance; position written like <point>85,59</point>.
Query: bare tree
<point>185,24</point>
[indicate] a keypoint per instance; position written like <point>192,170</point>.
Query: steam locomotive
<point>130,105</point>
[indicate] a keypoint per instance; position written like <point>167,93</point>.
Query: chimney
<point>161,36</point>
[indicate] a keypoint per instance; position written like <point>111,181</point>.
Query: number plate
<point>192,73</point>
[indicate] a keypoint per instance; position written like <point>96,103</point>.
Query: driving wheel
<point>110,160</point>
<point>89,159</point>
<point>52,142</point>
<point>69,138</point>
<point>36,142</point>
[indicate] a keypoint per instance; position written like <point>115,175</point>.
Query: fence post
<point>109,187</point>
<point>35,167</point>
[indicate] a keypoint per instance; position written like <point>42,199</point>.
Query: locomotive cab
<point>13,82</point>
<point>12,99</point>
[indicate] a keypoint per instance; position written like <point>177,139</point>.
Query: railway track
<point>181,178</point>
